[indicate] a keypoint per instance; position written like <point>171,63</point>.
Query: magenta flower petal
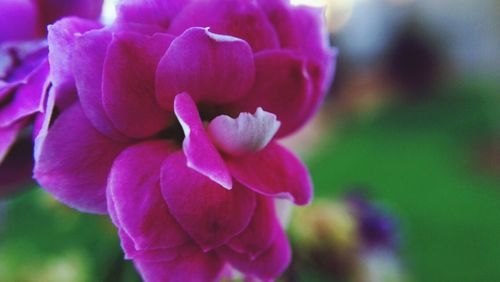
<point>18,20</point>
<point>133,251</point>
<point>242,19</point>
<point>201,154</point>
<point>245,134</point>
<point>21,59</point>
<point>87,64</point>
<point>275,172</point>
<point>42,122</point>
<point>282,86</point>
<point>150,255</point>
<point>260,233</point>
<point>28,98</point>
<point>61,38</point>
<point>128,84</point>
<point>266,266</point>
<point>210,214</point>
<point>134,186</point>
<point>197,267</point>
<point>210,67</point>
<point>74,162</point>
<point>151,12</point>
<point>52,10</point>
<point>302,29</point>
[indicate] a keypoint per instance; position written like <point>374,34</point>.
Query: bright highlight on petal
<point>312,3</point>
<point>245,134</point>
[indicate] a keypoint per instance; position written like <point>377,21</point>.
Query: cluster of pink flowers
<point>168,121</point>
<point>24,77</point>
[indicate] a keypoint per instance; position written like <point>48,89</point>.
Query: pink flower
<point>168,121</point>
<point>22,20</point>
<point>24,75</point>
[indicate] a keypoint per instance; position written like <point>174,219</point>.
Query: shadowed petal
<point>150,255</point>
<point>242,19</point>
<point>129,83</point>
<point>267,266</point>
<point>302,29</point>
<point>134,186</point>
<point>43,121</point>
<point>198,267</point>
<point>28,98</point>
<point>87,64</point>
<point>61,39</point>
<point>8,136</point>
<point>273,171</point>
<point>260,233</point>
<point>52,10</point>
<point>282,87</point>
<point>17,168</point>
<point>132,251</point>
<point>74,162</point>
<point>151,12</point>
<point>209,66</point>
<point>200,152</point>
<point>210,214</point>
<point>18,20</point>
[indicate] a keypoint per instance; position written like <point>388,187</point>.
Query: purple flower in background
<point>377,228</point>
<point>23,20</point>
<point>168,121</point>
<point>24,74</point>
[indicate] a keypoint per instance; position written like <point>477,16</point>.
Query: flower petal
<point>129,83</point>
<point>130,248</point>
<point>200,152</point>
<point>242,19</point>
<point>18,20</point>
<point>246,134</point>
<point>131,251</point>
<point>74,162</point>
<point>197,267</point>
<point>282,86</point>
<point>269,265</point>
<point>28,99</point>
<point>273,171</point>
<point>151,12</point>
<point>302,29</point>
<point>52,10</point>
<point>209,66</point>
<point>209,214</point>
<point>260,233</point>
<point>134,186</point>
<point>87,64</point>
<point>18,60</point>
<point>61,39</point>
<point>43,121</point>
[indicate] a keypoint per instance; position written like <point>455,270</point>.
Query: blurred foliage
<point>43,241</point>
<point>419,159</point>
